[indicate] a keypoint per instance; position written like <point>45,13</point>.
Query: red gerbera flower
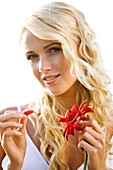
<point>72,118</point>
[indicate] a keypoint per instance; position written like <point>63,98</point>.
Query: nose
<point>44,64</point>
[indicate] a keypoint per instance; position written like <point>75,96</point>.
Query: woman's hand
<point>12,137</point>
<point>92,139</point>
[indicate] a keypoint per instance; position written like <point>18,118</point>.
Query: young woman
<point>66,61</point>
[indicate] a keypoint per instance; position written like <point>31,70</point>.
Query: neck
<point>68,99</point>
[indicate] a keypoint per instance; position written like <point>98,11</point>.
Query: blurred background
<point>17,85</point>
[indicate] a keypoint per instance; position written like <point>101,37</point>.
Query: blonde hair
<point>60,21</point>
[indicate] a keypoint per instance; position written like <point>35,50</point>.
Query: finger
<point>84,146</point>
<point>92,132</point>
<point>23,121</point>
<point>11,115</point>
<point>93,124</point>
<point>90,140</point>
<point>8,134</point>
<point>11,111</point>
<point>11,133</point>
<point>5,125</point>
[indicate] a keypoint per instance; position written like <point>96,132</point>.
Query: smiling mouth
<point>51,80</point>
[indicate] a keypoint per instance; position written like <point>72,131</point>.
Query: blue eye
<point>32,56</point>
<point>54,49</point>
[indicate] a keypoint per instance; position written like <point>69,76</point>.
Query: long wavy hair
<point>59,21</point>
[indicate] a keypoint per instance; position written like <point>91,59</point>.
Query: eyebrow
<point>50,45</point>
<point>29,52</point>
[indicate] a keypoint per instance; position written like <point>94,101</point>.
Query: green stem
<point>85,160</point>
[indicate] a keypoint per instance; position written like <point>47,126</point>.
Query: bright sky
<point>17,85</point>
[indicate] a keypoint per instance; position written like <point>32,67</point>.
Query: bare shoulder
<point>31,130</point>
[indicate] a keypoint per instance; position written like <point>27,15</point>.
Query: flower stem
<point>85,160</point>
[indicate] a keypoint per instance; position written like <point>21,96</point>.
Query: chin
<point>55,92</point>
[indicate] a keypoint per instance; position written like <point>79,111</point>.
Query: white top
<point>33,159</point>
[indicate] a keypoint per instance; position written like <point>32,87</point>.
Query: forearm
<point>2,155</point>
<point>1,168</point>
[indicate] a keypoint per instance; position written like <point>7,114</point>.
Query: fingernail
<point>21,115</point>
<point>20,133</point>
<point>20,125</point>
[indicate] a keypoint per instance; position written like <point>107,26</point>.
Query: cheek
<point>35,70</point>
<point>36,73</point>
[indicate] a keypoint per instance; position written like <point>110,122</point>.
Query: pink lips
<point>50,79</point>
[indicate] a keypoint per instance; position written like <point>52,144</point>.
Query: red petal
<point>75,108</point>
<point>72,131</point>
<point>79,129</point>
<point>27,112</point>
<point>83,118</point>
<point>67,136</point>
<point>67,113</point>
<point>82,106</point>
<point>62,120</point>
<point>76,126</point>
<point>87,110</point>
<point>67,133</point>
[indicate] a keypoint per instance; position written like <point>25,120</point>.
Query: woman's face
<point>48,63</point>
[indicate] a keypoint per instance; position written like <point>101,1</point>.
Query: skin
<point>47,59</point>
<point>12,137</point>
<point>3,114</point>
<point>92,139</point>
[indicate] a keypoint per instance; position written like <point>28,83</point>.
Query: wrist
<point>11,166</point>
<point>1,168</point>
